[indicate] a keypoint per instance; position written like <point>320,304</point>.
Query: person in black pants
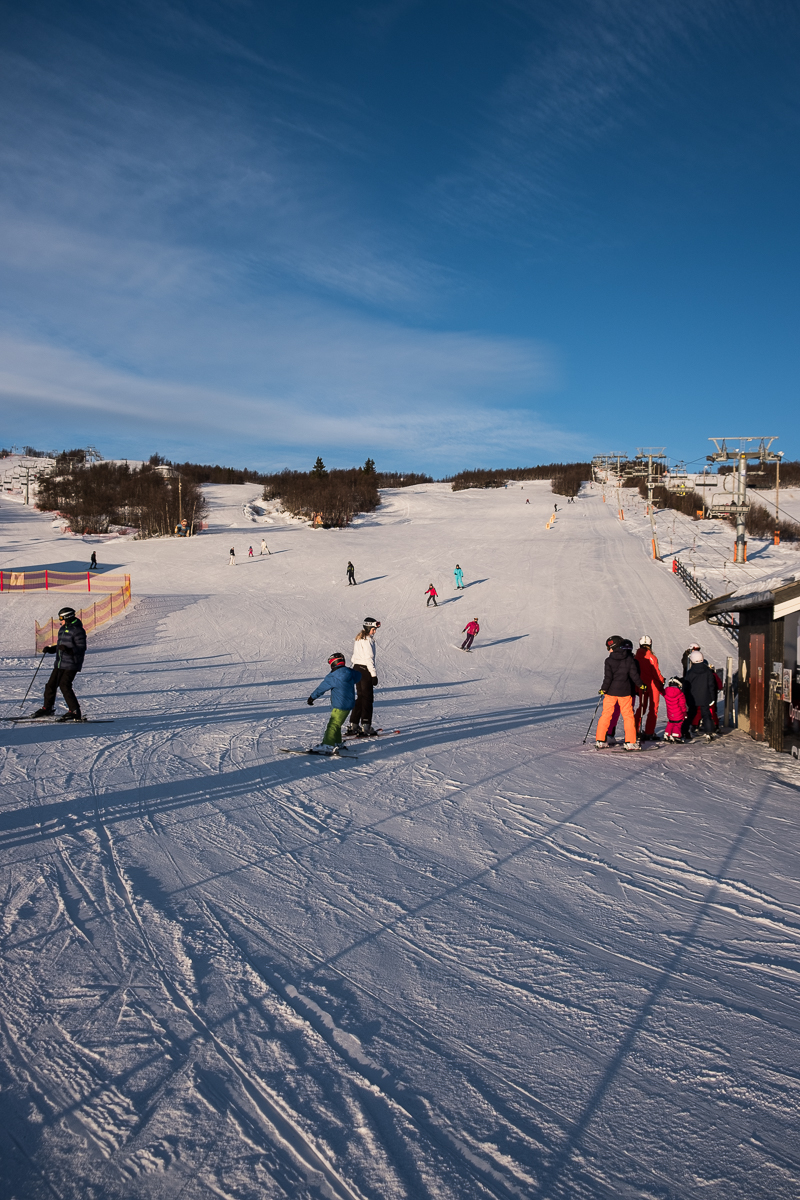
<point>700,689</point>
<point>70,650</point>
<point>351,574</point>
<point>93,562</point>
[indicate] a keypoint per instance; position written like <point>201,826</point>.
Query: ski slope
<point>482,960</point>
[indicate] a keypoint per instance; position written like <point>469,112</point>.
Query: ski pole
<point>591,723</point>
<point>30,685</point>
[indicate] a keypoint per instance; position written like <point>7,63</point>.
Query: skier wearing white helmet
<point>700,689</point>
<point>364,660</point>
<point>647,709</point>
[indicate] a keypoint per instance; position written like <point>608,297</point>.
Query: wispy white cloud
<point>177,262</point>
<point>588,72</point>
<point>362,388</point>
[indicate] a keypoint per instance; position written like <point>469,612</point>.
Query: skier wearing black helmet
<point>364,661</point>
<point>621,682</point>
<point>70,650</point>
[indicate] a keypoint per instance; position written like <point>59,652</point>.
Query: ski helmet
<point>613,642</point>
<point>336,660</point>
<point>696,656</point>
<point>676,681</point>
<point>66,613</point>
<point>644,640</point>
<point>371,623</point>
<point>626,644</point>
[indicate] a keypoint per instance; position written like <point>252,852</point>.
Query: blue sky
<point>443,234</point>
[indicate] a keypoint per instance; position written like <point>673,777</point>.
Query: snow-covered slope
<point>481,960</point>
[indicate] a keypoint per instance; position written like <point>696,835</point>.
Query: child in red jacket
<point>676,710</point>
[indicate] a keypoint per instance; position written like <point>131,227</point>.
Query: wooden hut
<point>769,671</point>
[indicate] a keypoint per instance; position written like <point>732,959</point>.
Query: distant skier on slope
<point>677,709</point>
<point>364,661</point>
<point>471,629</point>
<point>70,651</point>
<point>351,575</point>
<point>341,683</point>
<point>93,562</point>
<point>232,559</point>
<point>431,594</point>
<point>459,574</point>
<point>621,682</point>
<point>700,688</point>
<point>249,551</point>
<point>264,546</point>
<point>653,681</point>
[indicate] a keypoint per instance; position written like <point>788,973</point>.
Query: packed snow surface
<point>481,960</point>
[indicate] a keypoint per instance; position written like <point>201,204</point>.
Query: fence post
<point>88,581</point>
<point>45,580</point>
<point>1,581</point>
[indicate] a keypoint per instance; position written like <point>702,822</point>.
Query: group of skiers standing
<point>351,690</point>
<point>690,699</point>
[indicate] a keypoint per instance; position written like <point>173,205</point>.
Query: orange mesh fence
<point>46,580</point>
<point>91,617</point>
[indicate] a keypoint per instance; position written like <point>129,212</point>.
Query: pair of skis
<point>55,721</point>
<point>322,754</point>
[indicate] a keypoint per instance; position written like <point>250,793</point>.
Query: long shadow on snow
<point>445,730</point>
<point>553,1174</point>
<point>41,822</point>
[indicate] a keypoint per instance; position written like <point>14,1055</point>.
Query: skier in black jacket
<point>700,689</point>
<point>69,650</point>
<point>621,682</point>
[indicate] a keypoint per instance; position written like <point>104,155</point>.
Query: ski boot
<point>42,712</point>
<point>632,746</point>
<point>367,730</point>
<point>602,745</point>
<point>352,731</point>
<point>69,716</point>
<point>324,749</point>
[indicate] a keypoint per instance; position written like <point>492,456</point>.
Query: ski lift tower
<point>738,508</point>
<point>652,453</point>
<point>606,465</point>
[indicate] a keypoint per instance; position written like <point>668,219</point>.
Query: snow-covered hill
<point>481,960</point>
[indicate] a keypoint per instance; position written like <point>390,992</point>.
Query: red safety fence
<point>45,580</point>
<point>91,617</point>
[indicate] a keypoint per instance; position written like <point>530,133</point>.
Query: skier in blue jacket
<point>341,683</point>
<point>459,574</point>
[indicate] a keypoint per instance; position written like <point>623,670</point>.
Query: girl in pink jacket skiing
<point>470,630</point>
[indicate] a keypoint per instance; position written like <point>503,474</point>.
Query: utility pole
<point>651,453</point>
<point>777,537</point>
<point>761,453</point>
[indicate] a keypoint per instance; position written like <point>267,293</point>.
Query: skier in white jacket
<point>364,661</point>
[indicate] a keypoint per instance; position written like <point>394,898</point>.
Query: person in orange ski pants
<point>621,682</point>
<point>653,680</point>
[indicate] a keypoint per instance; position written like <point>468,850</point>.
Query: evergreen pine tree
<point>320,470</point>
<point>369,467</point>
